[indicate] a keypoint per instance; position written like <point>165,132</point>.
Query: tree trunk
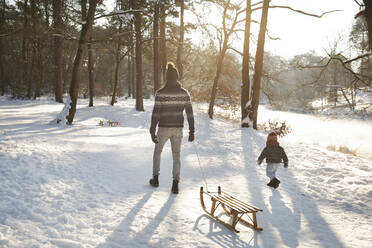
<point>40,62</point>
<point>259,63</point>
<point>30,74</point>
<point>2,75</point>
<point>156,47</point>
<point>368,15</point>
<point>75,80</point>
<point>180,42</point>
<point>139,79</point>
<point>221,56</point>
<point>24,44</point>
<point>163,42</point>
<point>246,87</point>
<point>58,50</point>
<point>91,73</point>
<point>129,75</point>
<point>117,65</point>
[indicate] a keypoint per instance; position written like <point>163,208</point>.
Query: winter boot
<point>271,183</point>
<point>175,187</point>
<point>276,182</point>
<point>155,181</point>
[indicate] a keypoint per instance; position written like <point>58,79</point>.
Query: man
<point>170,102</point>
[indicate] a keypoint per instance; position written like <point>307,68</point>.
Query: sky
<point>298,33</point>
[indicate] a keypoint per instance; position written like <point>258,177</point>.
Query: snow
<point>86,185</point>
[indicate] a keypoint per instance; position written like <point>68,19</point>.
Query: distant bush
<point>280,128</point>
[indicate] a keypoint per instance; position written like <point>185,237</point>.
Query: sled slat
<point>236,207</point>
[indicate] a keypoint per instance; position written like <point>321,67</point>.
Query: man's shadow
<point>125,236</point>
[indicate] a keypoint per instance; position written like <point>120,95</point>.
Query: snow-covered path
<point>87,186</point>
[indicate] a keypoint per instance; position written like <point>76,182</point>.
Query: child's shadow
<point>287,222</point>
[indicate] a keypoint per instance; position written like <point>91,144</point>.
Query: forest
<point>78,48</point>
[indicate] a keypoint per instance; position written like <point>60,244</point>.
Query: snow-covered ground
<point>87,185</point>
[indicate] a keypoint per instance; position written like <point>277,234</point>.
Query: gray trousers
<point>271,170</point>
<point>175,136</point>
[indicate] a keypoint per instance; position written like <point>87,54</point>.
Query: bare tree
<point>223,36</point>
<point>259,64</point>
<point>156,46</point>
<point>2,23</point>
<point>181,3</point>
<point>163,40</point>
<point>139,76</point>
<point>80,54</point>
<point>58,50</point>
<point>246,87</point>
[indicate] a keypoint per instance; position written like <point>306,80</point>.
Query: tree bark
<point>258,66</point>
<point>180,42</point>
<point>221,56</point>
<point>139,78</point>
<point>76,71</point>
<point>368,15</point>
<point>117,66</point>
<point>58,50</point>
<point>156,47</point>
<point>40,62</point>
<point>24,44</point>
<point>2,76</point>
<point>246,87</point>
<point>163,42</point>
<point>91,62</point>
<point>129,78</point>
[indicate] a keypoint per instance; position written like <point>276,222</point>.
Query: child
<point>274,155</point>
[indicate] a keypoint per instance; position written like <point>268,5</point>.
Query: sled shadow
<point>223,237</point>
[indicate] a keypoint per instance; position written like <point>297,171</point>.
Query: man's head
<point>172,73</point>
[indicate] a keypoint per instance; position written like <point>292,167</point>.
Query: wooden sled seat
<point>232,206</point>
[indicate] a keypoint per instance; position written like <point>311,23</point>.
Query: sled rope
<point>201,168</point>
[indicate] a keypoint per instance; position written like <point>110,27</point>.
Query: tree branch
<point>298,11</point>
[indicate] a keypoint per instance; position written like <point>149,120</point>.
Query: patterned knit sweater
<point>170,101</point>
<point>273,154</point>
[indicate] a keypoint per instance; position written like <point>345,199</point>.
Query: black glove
<point>191,136</point>
<point>285,164</point>
<point>154,137</point>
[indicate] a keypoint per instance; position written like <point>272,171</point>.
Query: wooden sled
<point>233,207</point>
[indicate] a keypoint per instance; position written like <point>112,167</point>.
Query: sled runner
<point>233,207</point>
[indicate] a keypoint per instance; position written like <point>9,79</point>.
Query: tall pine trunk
<point>58,50</point>
<point>163,42</point>
<point>76,71</point>
<point>129,75</point>
<point>180,41</point>
<point>139,77</point>
<point>368,15</point>
<point>91,73</point>
<point>2,75</point>
<point>24,44</point>
<point>246,87</point>
<point>221,56</point>
<point>258,66</point>
<point>117,66</point>
<point>156,47</point>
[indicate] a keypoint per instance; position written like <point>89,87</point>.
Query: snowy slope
<point>87,185</point>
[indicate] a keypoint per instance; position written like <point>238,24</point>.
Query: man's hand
<point>154,137</point>
<point>191,136</point>
<point>286,165</point>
